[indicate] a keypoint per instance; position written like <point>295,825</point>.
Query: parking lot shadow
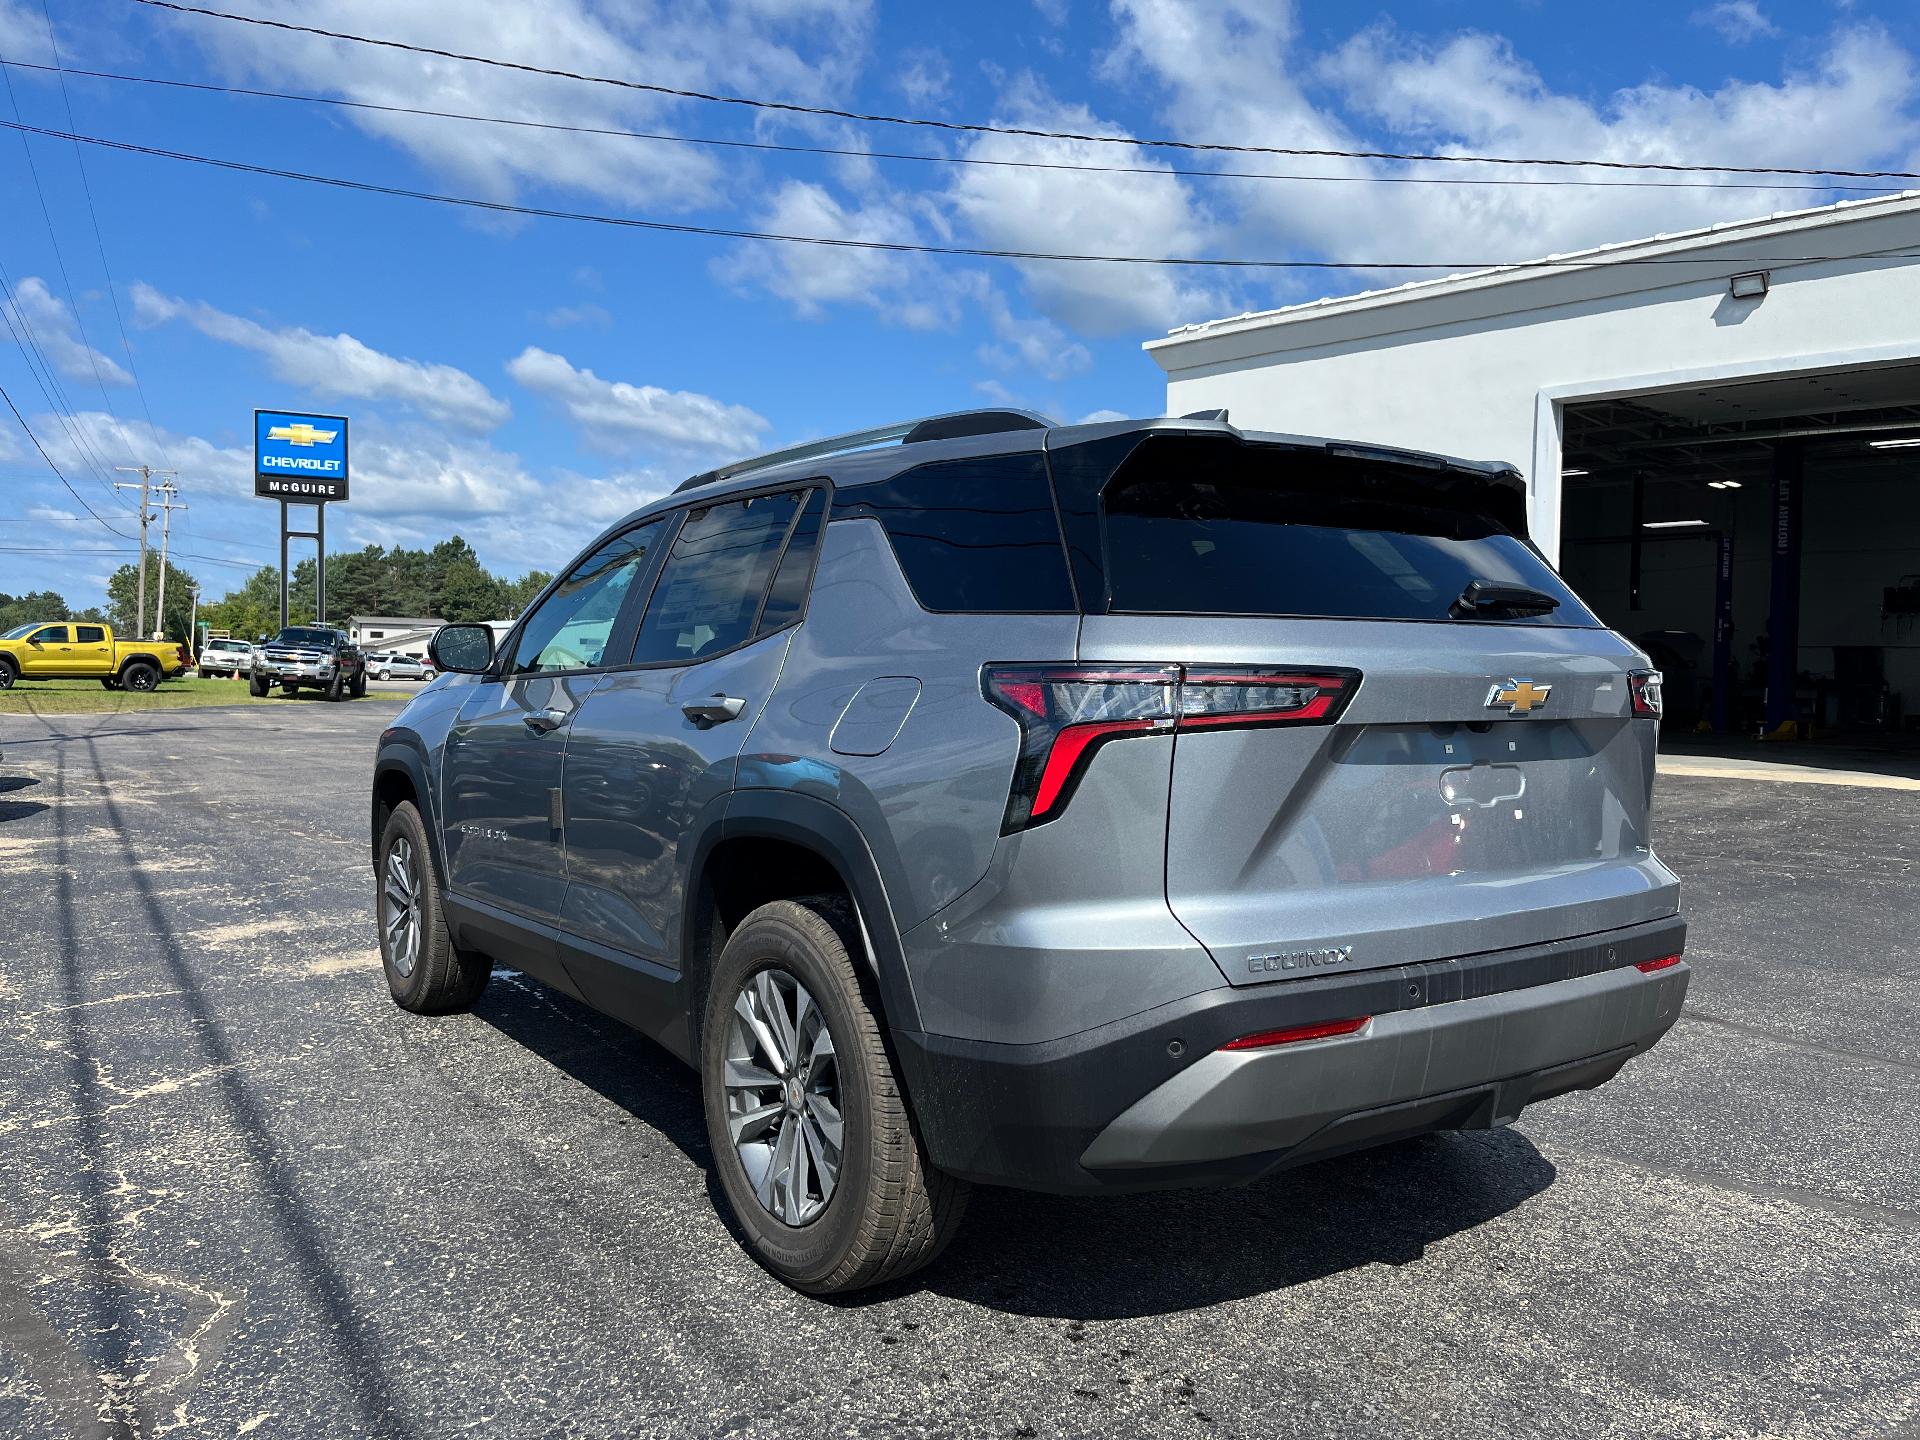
<point>20,809</point>
<point>1098,1257</point>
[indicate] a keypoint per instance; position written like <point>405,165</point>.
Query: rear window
<point>1313,536</point>
<point>975,535</point>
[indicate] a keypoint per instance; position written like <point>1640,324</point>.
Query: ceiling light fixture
<point>1565,474</point>
<point>1905,442</point>
<point>1670,524</point>
<point>1723,484</point>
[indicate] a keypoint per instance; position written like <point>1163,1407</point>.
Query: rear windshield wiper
<point>1483,599</point>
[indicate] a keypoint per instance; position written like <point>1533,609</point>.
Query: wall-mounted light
<point>1748,286</point>
<point>1723,484</point>
<point>1905,442</point>
<point>1670,524</point>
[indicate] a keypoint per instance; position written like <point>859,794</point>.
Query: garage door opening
<point>1762,541</point>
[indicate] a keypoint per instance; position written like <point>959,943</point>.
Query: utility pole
<point>146,517</point>
<point>167,506</point>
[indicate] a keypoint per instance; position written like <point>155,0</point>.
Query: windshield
<point>307,635</point>
<point>20,632</point>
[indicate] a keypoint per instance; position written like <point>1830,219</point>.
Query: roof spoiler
<point>907,432</point>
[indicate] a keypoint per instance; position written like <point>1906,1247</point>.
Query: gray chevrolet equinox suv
<point>1080,808</point>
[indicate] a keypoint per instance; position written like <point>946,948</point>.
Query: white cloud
<point>336,364</point>
<point>1100,417</point>
<point>813,278</point>
<point>805,50</point>
<point>616,416</point>
<point>1233,70</point>
<point>1028,342</point>
<point>23,33</point>
<point>1738,21</point>
<point>564,317</point>
<point>923,77</point>
<point>1083,213</point>
<point>46,321</point>
<point>1054,12</point>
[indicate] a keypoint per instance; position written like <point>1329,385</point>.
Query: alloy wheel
<point>401,887</point>
<point>783,1096</point>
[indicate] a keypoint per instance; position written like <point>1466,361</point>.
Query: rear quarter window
<point>975,535</point>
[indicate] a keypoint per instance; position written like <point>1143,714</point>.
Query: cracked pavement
<point>241,1193</point>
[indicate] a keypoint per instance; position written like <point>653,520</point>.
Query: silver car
<point>395,666</point>
<point>1081,808</point>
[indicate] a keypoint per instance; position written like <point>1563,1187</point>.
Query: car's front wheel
<point>426,973</point>
<point>818,1154</point>
<point>257,686</point>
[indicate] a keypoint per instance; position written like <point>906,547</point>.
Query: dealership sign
<point>301,458</point>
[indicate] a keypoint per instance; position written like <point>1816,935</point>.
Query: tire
<point>257,686</point>
<point>140,677</point>
<point>287,687</point>
<point>7,675</point>
<point>358,689</point>
<point>107,682</point>
<point>384,675</point>
<point>337,686</point>
<point>888,1212</point>
<point>431,977</point>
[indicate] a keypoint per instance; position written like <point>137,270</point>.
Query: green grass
<point>85,697</point>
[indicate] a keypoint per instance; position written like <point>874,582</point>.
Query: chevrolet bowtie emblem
<point>1518,697</point>
<point>301,434</point>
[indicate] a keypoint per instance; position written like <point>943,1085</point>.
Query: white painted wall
<point>1480,369</point>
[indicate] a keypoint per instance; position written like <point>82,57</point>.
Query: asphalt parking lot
<point>242,1193</point>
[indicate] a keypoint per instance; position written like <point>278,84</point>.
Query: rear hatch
<point>1484,785</point>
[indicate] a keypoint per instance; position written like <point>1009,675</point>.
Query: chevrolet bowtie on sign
<point>299,457</point>
<point>1518,697</point>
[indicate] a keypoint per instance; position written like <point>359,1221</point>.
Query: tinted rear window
<point>974,535</point>
<point>1310,536</point>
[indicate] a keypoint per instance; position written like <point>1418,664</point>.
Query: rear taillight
<point>1321,1030</point>
<point>1665,962</point>
<point>1644,687</point>
<point>1068,712</point>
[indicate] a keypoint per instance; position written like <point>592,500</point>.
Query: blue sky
<point>524,381</point>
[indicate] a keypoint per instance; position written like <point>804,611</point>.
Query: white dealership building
<point>1719,429</point>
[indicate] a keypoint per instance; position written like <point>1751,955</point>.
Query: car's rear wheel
<point>426,973</point>
<point>140,677</point>
<point>107,682</point>
<point>385,675</point>
<point>818,1154</point>
<point>7,674</point>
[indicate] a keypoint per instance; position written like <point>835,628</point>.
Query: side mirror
<point>462,649</point>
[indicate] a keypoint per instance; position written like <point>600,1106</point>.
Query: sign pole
<point>320,565</point>
<point>283,564</point>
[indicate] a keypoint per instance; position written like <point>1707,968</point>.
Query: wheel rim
<point>140,680</point>
<point>400,889</point>
<point>783,1096</point>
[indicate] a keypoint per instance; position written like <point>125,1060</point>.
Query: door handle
<point>545,720</point>
<point>715,710</point>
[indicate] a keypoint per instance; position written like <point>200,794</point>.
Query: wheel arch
<point>139,658</point>
<point>775,845</point>
<point>400,774</point>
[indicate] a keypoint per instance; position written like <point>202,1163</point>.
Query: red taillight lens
<point>1644,687</point>
<point>1323,1030</point>
<point>1068,712</point>
<point>1665,962</point>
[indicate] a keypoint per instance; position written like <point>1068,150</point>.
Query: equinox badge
<point>1518,697</point>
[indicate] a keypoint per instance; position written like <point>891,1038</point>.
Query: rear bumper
<point>1153,1101</point>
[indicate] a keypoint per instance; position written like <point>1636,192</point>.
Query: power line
<point>99,241</point>
<point>71,550</point>
<point>48,381</point>
<point>848,152</point>
<point>902,247</point>
<point>55,468</point>
<point>971,127</point>
<point>60,260</point>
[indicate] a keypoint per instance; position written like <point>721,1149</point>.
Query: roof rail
<point>907,432</point>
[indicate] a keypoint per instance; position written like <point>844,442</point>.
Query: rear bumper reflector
<point>1321,1030</point>
<point>1663,963</point>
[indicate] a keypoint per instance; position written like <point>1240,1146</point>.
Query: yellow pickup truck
<point>82,650</point>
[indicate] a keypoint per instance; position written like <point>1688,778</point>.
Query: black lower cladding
<point>1024,1114</point>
